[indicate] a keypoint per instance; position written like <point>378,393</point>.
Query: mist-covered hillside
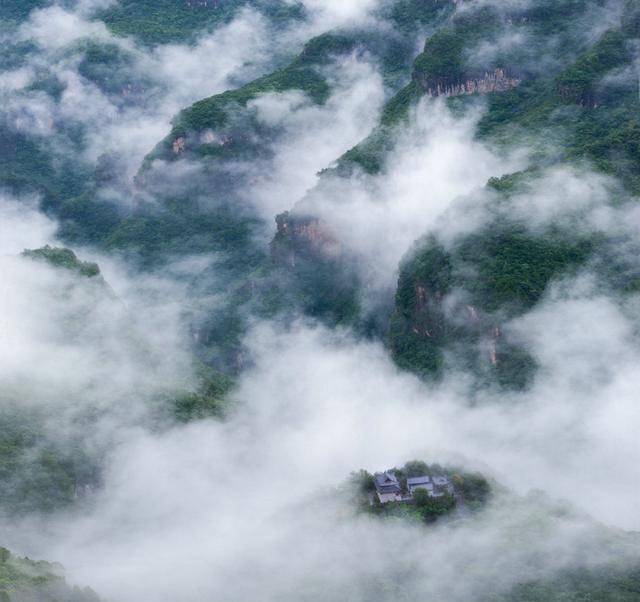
<point>255,254</point>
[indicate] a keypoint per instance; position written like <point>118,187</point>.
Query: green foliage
<point>553,17</point>
<point>25,579</point>
<point>35,474</point>
<point>431,508</point>
<point>589,110</point>
<point>163,21</point>
<point>408,14</point>
<point>180,228</point>
<point>512,183</point>
<point>108,66</point>
<point>512,268</point>
<point>27,166</point>
<point>398,107</point>
<point>86,219</point>
<point>301,74</point>
<point>442,59</point>
<point>319,283</point>
<point>23,165</point>
<point>320,50</point>
<point>209,401</point>
<point>503,270</point>
<point>578,83</point>
<point>474,489</point>
<point>362,482</point>
<point>63,258</point>
<point>422,284</point>
<point>17,10</point>
<point>602,584</point>
<point>631,19</point>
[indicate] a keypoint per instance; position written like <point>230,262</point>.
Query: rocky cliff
<point>498,80</point>
<point>300,237</point>
<point>453,305</point>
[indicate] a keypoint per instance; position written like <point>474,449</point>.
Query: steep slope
<point>582,107</point>
<point>454,302</point>
<point>588,111</point>
<point>45,468</point>
<point>156,22</point>
<point>221,127</point>
<point>496,52</point>
<point>25,580</point>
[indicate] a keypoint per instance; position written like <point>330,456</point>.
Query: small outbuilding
<point>424,482</point>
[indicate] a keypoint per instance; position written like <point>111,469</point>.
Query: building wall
<point>388,497</point>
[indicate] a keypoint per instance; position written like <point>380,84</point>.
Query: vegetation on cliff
<point>26,580</point>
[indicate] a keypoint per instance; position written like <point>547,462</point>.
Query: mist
<point>255,505</point>
<point>182,512</point>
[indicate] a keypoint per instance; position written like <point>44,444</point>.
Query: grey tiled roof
<point>386,482</point>
<point>440,480</point>
<point>418,480</point>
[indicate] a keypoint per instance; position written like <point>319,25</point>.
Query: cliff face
<point>433,324</point>
<point>303,237</point>
<point>430,324</point>
<point>317,273</point>
<point>202,3</point>
<point>453,305</point>
<point>497,80</point>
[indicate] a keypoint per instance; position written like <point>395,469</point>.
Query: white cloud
<point>22,225</point>
<point>436,160</point>
<point>312,135</point>
<point>54,28</point>
<point>328,14</point>
<point>185,511</point>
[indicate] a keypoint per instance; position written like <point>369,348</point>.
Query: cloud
<point>53,28</point>
<point>435,161</point>
<point>74,342</point>
<point>22,225</point>
<point>184,511</point>
<point>328,14</point>
<point>311,136</point>
<point>165,79</point>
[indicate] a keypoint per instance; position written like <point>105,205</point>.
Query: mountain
<point>584,106</point>
<point>247,245</point>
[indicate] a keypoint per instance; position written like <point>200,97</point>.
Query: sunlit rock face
<point>497,80</point>
<point>303,236</point>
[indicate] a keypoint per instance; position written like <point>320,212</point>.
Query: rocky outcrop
<point>302,237</point>
<point>574,95</point>
<point>430,325</point>
<point>497,80</point>
<point>318,275</point>
<point>178,146</point>
<point>202,3</point>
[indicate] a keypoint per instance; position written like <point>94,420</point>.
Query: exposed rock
<point>303,236</point>
<point>178,145</point>
<point>202,3</point>
<point>493,346</point>
<point>497,81</point>
<point>574,95</point>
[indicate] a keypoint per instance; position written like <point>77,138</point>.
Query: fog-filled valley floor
<point>319,300</point>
